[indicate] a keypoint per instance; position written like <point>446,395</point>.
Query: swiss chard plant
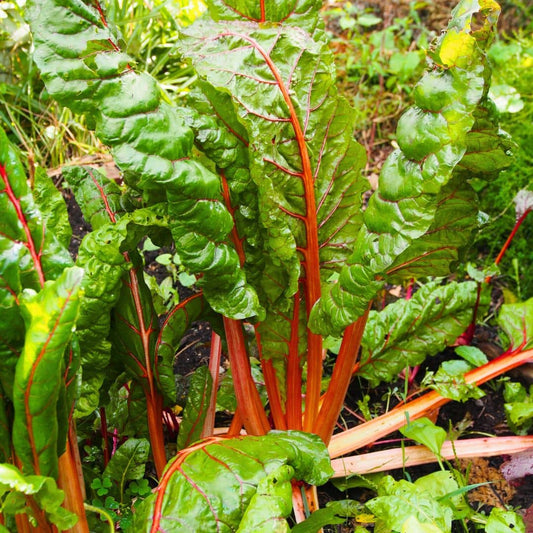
<point>256,185</point>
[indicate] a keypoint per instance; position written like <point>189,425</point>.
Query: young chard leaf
<point>212,484</point>
<point>425,432</point>
<point>400,504</point>
<point>41,489</point>
<point>128,463</point>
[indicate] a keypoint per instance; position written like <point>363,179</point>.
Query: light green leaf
<point>50,318</point>
<point>503,521</point>
<point>213,484</point>
<point>424,431</point>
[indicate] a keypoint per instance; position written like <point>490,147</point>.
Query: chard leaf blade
<point>82,64</point>
<point>216,481</point>
<point>407,331</point>
<point>50,317</point>
<point>516,322</point>
<point>196,407</point>
<point>410,208</point>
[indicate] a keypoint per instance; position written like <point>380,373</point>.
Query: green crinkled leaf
<point>516,322</point>
<point>128,463</point>
<point>44,492</point>
<point>449,381</point>
<point>99,255</point>
<point>210,486</point>
<point>408,331</point>
<point>50,317</point>
<point>399,501</point>
<point>126,408</point>
<point>106,254</point>
<point>440,249</point>
<point>100,199</point>
<point>83,67</point>
<point>282,128</point>
<point>410,207</point>
<point>195,411</point>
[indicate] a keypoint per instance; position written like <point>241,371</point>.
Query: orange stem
<point>334,398</point>
<point>154,413</point>
<point>368,432</point>
<point>69,481</point>
<point>248,400</point>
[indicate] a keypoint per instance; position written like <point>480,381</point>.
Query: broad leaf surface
<point>211,486</point>
<point>271,119</point>
<point>410,202</point>
<point>408,331</point>
<point>84,68</point>
<point>50,317</point>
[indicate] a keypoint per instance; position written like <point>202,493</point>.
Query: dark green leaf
<point>128,463</point>
<point>432,139</point>
<point>83,67</point>
<point>198,399</point>
<point>335,512</point>
<point>52,206</point>
<point>407,331</point>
